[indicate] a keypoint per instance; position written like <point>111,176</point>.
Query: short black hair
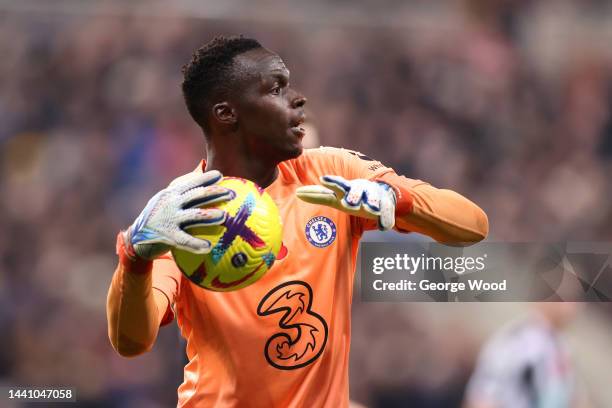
<point>208,75</point>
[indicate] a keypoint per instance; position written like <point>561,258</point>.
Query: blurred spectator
<point>527,364</point>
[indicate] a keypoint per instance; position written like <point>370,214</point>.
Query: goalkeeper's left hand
<point>360,197</point>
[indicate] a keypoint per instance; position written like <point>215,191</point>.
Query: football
<point>244,247</point>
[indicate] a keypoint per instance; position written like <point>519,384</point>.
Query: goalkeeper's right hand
<point>162,224</point>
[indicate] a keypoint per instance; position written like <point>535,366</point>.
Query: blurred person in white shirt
<point>527,364</point>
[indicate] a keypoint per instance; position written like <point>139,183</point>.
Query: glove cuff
<point>403,199</point>
<point>129,259</point>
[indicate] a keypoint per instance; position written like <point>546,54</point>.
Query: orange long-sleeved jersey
<point>283,341</point>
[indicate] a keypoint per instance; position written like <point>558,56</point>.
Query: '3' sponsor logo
<point>303,333</point>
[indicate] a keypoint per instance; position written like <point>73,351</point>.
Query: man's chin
<point>288,151</point>
<point>294,152</point>
<point>299,150</point>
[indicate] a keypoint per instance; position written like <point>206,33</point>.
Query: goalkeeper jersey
<point>284,340</point>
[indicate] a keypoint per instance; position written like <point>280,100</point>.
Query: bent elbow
<point>482,225</point>
<point>130,352</point>
<point>126,347</point>
<point>476,230</point>
<point>479,230</point>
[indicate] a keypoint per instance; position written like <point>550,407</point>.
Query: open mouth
<point>298,129</point>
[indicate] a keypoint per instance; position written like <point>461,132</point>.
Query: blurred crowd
<point>92,123</point>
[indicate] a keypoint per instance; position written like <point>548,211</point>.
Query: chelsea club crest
<point>320,231</point>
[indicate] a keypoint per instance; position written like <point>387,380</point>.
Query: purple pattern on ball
<point>236,226</point>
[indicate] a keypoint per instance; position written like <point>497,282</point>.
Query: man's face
<point>269,113</point>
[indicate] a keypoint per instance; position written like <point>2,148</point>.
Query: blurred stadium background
<point>506,101</point>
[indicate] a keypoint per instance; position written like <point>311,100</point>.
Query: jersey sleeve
<point>441,214</point>
<point>166,279</point>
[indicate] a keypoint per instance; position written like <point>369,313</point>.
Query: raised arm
<point>135,307</point>
<point>444,215</point>
<point>377,197</point>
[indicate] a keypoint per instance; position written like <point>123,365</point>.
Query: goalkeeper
<point>283,341</point>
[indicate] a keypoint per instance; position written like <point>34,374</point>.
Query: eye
<point>276,90</point>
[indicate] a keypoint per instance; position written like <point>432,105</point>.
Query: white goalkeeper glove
<point>162,224</point>
<point>360,197</point>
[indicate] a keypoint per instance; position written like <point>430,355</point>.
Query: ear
<point>223,112</point>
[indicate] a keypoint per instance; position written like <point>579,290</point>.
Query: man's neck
<point>259,172</point>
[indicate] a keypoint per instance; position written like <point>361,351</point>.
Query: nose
<point>298,101</point>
